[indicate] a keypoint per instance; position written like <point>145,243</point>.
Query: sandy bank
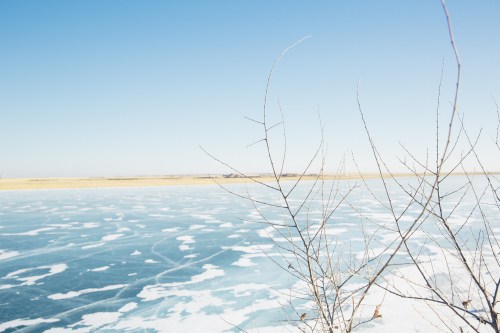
<point>59,183</point>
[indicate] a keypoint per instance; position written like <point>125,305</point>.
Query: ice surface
<point>112,260</point>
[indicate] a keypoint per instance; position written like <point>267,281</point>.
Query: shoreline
<point>144,181</point>
<point>8,184</point>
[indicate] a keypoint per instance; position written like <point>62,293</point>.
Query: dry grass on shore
<point>60,183</point>
<point>65,183</point>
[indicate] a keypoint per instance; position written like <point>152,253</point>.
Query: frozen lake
<point>166,259</point>
<point>169,259</point>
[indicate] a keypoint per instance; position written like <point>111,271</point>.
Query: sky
<point>127,88</point>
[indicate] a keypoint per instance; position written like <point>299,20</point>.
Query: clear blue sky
<point>100,88</point>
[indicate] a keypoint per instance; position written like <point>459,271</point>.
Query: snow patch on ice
<point>72,294</point>
<point>92,246</point>
<point>152,292</point>
<point>151,261</point>
<point>99,269</point>
<point>136,253</point>
<point>244,262</point>
<point>175,229</point>
<point>128,307</point>
<point>197,226</point>
<point>186,240</point>
<point>112,237</point>
<point>25,322</point>
<point>31,280</point>
<point>6,254</point>
<point>29,233</point>
<point>253,249</point>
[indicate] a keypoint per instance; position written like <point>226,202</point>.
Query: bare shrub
<point>442,249</point>
<point>451,243</point>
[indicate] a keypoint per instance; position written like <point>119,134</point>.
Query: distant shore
<point>67,183</point>
<point>62,183</point>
